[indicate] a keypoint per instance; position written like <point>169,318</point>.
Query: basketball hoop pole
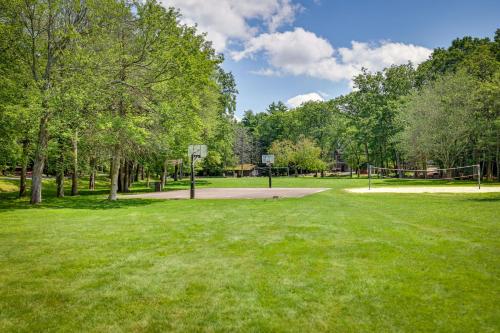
<point>195,151</point>
<point>270,176</point>
<point>191,192</point>
<point>269,160</point>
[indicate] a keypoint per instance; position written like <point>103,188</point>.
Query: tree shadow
<point>175,185</point>
<point>86,199</point>
<point>9,202</point>
<point>490,198</point>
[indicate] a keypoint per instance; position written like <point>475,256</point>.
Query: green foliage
<point>121,78</point>
<point>284,153</point>
<point>307,155</point>
<point>446,111</point>
<point>439,121</point>
<point>304,154</point>
<point>478,56</point>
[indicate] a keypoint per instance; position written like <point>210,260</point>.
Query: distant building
<point>242,170</point>
<point>339,164</point>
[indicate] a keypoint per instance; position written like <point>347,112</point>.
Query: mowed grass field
<point>333,261</point>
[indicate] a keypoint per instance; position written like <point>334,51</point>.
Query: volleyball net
<point>469,172</point>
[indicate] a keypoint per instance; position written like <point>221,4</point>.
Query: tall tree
<point>45,31</point>
<point>439,121</point>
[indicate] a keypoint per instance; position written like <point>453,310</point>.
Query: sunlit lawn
<point>333,261</point>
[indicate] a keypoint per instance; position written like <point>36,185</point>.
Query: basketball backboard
<point>268,159</point>
<point>198,151</point>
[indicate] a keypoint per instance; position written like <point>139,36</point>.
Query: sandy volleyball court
<point>426,189</point>
<point>231,193</point>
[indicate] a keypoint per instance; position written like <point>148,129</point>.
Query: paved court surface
<point>231,193</point>
<point>427,189</point>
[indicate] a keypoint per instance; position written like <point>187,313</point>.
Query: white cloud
<point>300,52</point>
<point>267,72</point>
<point>287,48</point>
<point>300,99</point>
<point>232,23</point>
<point>229,20</point>
<point>376,57</point>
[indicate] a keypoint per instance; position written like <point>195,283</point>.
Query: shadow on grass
<point>184,183</point>
<point>492,198</point>
<point>78,202</point>
<point>86,199</point>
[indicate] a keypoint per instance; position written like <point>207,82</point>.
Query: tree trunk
<point>163,178</point>
<point>74,174</point>
<point>125,176</point>
<point>164,174</point>
<point>24,167</point>
<point>120,180</point>
<point>133,173</point>
<point>489,170</point>
<point>498,156</point>
<point>142,172</point>
<point>130,173</point>
<point>39,160</point>
<point>148,178</point>
<point>110,169</point>
<point>176,171</point>
<point>92,174</point>
<point>22,181</point>
<point>115,168</point>
<point>137,167</point>
<point>398,165</point>
<point>366,153</point>
<point>60,183</point>
<point>60,170</point>
<point>92,180</point>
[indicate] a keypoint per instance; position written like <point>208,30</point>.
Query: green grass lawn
<point>333,261</point>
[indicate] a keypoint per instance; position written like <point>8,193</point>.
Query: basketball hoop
<point>195,152</point>
<point>269,160</point>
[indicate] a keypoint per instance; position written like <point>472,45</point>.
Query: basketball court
<point>231,193</point>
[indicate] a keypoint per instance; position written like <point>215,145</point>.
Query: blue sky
<point>294,51</point>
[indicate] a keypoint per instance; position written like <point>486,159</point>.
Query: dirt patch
<point>426,189</point>
<point>231,193</point>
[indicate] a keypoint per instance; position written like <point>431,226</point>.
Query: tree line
<point>122,87</point>
<point>110,85</point>
<point>445,111</point>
